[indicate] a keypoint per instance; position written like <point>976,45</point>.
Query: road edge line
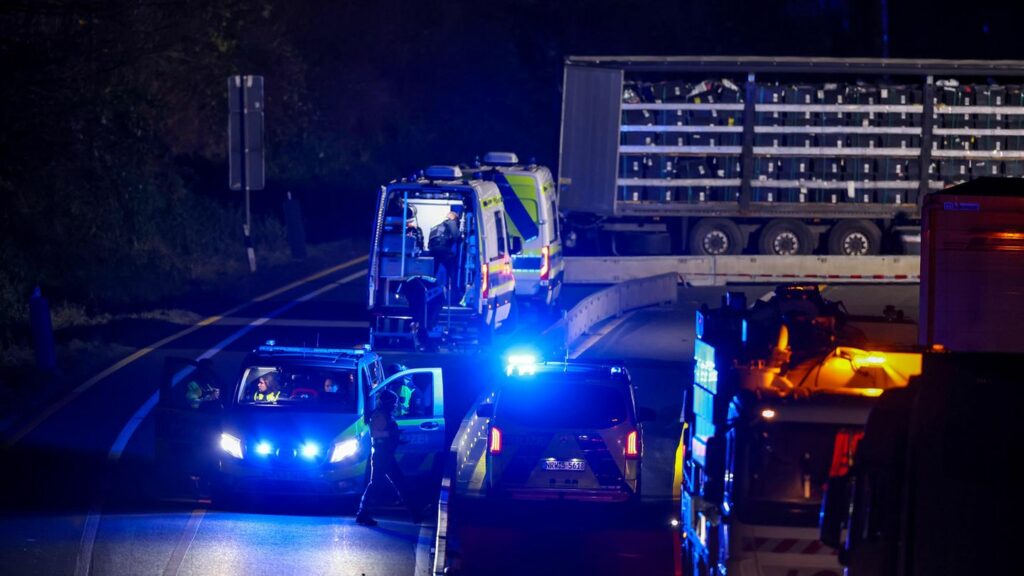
<point>83,561</point>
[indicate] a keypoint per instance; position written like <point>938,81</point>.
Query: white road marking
<point>184,543</point>
<point>83,563</point>
<point>423,564</point>
<point>83,387</point>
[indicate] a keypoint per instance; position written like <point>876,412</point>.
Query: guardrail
<point>722,270</point>
<point>614,301</point>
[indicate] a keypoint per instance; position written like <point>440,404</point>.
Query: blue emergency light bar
<point>501,158</point>
<point>270,348</point>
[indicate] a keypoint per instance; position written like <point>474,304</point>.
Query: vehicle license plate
<point>570,465</point>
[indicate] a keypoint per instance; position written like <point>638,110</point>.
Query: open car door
<point>188,418</point>
<point>420,417</point>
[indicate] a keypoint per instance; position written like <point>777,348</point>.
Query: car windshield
<point>547,402</point>
<point>300,388</point>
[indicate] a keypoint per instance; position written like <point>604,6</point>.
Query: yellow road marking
<point>83,387</point>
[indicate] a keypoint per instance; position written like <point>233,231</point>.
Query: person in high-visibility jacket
<point>268,388</point>
<point>384,471</point>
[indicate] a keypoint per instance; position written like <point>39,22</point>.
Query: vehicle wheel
<point>854,238</point>
<point>785,238</point>
<point>716,237</point>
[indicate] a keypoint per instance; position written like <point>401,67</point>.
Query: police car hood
<point>281,425</point>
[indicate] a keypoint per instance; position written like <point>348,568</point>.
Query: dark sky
<point>114,111</point>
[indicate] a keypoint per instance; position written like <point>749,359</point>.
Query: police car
<point>561,430</point>
<point>294,421</point>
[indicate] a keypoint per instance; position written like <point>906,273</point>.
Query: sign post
<point>245,146</point>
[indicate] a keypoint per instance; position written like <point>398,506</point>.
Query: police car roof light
<point>501,158</point>
<point>444,173</point>
<point>521,364</point>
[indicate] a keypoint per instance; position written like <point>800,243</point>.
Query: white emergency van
<point>441,260</point>
<point>539,267</point>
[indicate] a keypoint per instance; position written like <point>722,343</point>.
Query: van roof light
<point>501,158</point>
<point>444,173</point>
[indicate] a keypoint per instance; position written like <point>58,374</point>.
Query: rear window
<point>537,403</point>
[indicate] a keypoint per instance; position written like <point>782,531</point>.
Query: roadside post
<point>295,227</point>
<point>42,332</point>
<point>245,146</point>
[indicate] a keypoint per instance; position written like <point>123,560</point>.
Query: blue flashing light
<point>271,342</point>
<point>743,331</point>
<point>264,448</point>
<point>310,450</point>
<point>616,370</point>
<point>521,364</point>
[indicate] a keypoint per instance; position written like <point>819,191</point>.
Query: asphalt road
<point>80,496</point>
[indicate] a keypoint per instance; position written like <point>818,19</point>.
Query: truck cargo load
<point>787,156</point>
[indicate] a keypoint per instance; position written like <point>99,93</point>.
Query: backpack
<point>439,240</point>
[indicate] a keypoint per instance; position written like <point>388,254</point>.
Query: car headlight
<point>231,445</point>
<point>344,450</point>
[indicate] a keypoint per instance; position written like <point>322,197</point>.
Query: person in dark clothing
<point>444,246</point>
<point>425,297</point>
<point>384,471</point>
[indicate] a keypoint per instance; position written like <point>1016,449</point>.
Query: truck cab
<point>539,267</point>
<point>441,260</point>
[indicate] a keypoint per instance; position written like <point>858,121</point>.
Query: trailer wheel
<point>785,238</point>
<point>854,238</point>
<point>716,237</point>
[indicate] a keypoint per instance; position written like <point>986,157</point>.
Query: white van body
<point>539,268</point>
<point>477,295</point>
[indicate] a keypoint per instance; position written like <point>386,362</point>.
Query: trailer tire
<point>785,238</point>
<point>716,237</point>
<point>854,238</point>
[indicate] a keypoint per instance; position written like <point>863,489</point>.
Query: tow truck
<point>781,393</point>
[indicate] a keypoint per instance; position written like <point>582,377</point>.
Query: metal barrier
<point>614,300</point>
<point>721,270</point>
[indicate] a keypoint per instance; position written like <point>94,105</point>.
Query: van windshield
<point>299,388</point>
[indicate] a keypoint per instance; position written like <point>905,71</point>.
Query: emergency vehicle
<point>306,435</point>
<point>459,293</point>
<point>563,431</point>
<point>539,267</point>
<point>780,396</point>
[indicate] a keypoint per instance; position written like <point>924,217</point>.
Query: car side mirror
<point>485,410</point>
<point>645,414</point>
<point>834,509</point>
<point>517,245</point>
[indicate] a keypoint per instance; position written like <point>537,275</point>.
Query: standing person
<point>384,470</point>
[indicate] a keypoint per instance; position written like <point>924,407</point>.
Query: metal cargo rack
<point>791,140</point>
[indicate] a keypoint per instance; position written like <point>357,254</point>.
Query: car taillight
<point>545,262</point>
<point>632,446</point>
<point>843,451</point>
<point>483,282</point>
<point>494,441</point>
